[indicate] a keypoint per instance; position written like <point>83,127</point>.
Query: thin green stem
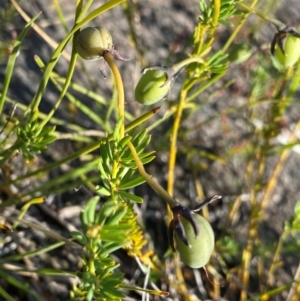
<point>81,12</point>
<point>217,7</point>
<point>161,191</point>
<point>140,289</point>
<point>171,180</point>
<point>12,60</point>
<point>276,258</point>
<point>119,83</point>
<point>238,27</point>
<point>211,31</point>
<point>275,22</point>
<point>204,86</point>
<point>120,88</point>
<point>63,91</point>
<point>186,62</point>
<point>173,147</point>
<point>198,36</point>
<point>58,51</point>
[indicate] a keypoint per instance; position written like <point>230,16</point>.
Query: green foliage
<point>116,153</point>
<point>227,10</point>
<point>108,229</point>
<point>293,225</point>
<point>103,233</point>
<point>33,139</point>
<point>228,247</point>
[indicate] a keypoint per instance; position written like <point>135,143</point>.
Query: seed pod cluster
<point>92,42</point>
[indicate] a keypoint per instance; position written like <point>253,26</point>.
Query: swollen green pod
<point>285,47</point>
<point>291,49</point>
<point>201,246</point>
<point>92,42</point>
<point>240,53</point>
<point>152,87</point>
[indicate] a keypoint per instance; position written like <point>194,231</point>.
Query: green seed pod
<point>291,48</point>
<point>201,246</point>
<point>240,53</point>
<point>91,42</point>
<point>152,87</point>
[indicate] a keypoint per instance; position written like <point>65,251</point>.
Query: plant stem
<point>161,191</point>
<point>277,171</point>
<point>173,147</point>
<point>120,88</point>
<point>119,83</point>
<point>211,31</point>
<point>171,180</point>
<point>217,7</point>
<point>63,90</point>
<point>59,50</point>
<point>215,19</point>
<point>275,22</point>
<point>238,27</point>
<point>186,62</point>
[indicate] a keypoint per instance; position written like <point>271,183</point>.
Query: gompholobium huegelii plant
<point>111,226</point>
<point>193,234</point>
<point>109,222</point>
